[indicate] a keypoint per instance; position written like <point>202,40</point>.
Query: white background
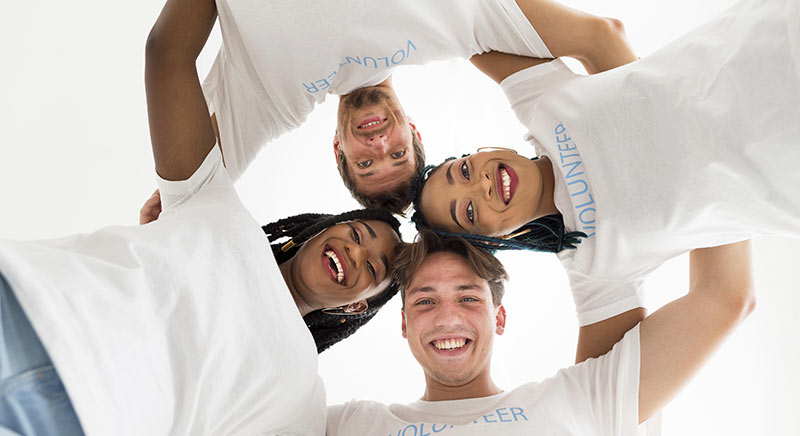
<point>76,157</point>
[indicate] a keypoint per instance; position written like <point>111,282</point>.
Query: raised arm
<point>678,338</point>
<point>599,43</point>
<point>180,127</point>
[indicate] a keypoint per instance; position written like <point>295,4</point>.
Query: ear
<point>336,146</point>
<point>403,325</point>
<point>414,126</point>
<point>356,308</point>
<point>500,320</point>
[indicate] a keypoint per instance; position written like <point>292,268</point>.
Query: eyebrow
<point>384,259</point>
<point>402,162</point>
<point>448,175</point>
<point>460,288</point>
<point>453,214</point>
<point>369,229</point>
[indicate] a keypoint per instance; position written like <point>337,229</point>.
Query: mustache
<point>365,97</point>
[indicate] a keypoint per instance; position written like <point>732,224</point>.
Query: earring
<point>480,149</point>
<point>514,235</point>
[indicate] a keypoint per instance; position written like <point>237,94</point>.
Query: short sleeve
<point>334,419</point>
<point>238,102</point>
<point>597,299</point>
<point>525,89</point>
<point>611,386</point>
<point>502,26</point>
<point>210,172</point>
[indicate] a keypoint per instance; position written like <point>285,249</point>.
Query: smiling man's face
<point>450,321</point>
<point>375,139</point>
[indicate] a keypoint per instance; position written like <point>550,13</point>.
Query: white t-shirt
<point>279,59</point>
<point>697,145</point>
<point>597,397</point>
<point>181,326</point>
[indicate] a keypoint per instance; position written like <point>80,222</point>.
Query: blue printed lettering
<point>312,88</point>
<point>486,417</point>
<point>567,147</point>
<point>374,61</point>
<point>570,174</point>
<point>356,59</point>
<point>437,430</point>
<point>406,429</point>
<point>518,411</point>
<point>323,83</point>
<point>408,47</point>
<point>422,430</point>
<point>560,129</point>
<point>501,414</point>
<point>331,76</point>
<point>566,138</point>
<point>580,215</point>
<point>401,59</point>
<point>587,229</point>
<point>585,187</point>
<point>386,59</point>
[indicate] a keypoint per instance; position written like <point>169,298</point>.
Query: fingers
<point>151,208</point>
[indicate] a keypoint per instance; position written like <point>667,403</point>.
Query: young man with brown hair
<point>452,309</point>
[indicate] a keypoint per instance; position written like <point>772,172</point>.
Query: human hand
<point>151,208</point>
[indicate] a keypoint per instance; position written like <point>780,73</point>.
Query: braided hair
<point>546,234</point>
<point>328,327</point>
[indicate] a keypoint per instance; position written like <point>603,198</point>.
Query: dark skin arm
<point>180,127</point>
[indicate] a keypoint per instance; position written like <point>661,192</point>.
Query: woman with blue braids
<point>694,146</point>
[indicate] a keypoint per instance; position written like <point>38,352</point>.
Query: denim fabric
<point>33,401</point>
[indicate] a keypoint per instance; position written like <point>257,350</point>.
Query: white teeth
<point>370,124</point>
<point>506,184</point>
<point>449,344</point>
<point>339,270</point>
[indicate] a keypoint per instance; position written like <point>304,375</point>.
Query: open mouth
<point>506,181</point>
<point>450,345</point>
<point>334,264</point>
<point>371,123</point>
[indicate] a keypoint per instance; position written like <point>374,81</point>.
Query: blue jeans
<point>33,401</point>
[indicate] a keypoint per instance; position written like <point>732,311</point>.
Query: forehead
<point>385,176</point>
<point>444,270</point>
<point>436,198</point>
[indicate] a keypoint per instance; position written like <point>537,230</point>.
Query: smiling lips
<point>506,181</point>
<point>450,345</point>
<point>332,261</point>
<point>371,123</point>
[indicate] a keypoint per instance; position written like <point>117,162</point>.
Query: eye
<point>399,154</point>
<point>469,299</point>
<point>356,238</point>
<point>470,213</point>
<point>424,302</point>
<point>364,163</point>
<point>372,271</point>
<point>464,170</point>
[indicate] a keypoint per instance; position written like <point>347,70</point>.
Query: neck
<point>481,386</point>
<point>289,277</point>
<point>547,205</point>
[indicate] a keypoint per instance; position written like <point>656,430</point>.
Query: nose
<point>447,314</point>
<point>357,253</point>
<point>484,185</point>
<point>379,142</point>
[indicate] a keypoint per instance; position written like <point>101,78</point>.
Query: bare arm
<point>600,44</point>
<point>678,338</point>
<point>180,126</point>
<point>597,339</point>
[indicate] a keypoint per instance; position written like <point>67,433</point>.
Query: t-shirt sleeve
<point>525,89</point>
<point>597,299</point>
<point>610,384</point>
<point>238,102</point>
<point>502,26</point>
<point>210,172</point>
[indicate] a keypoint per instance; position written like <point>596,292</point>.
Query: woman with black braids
<point>186,325</point>
<point>693,146</point>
